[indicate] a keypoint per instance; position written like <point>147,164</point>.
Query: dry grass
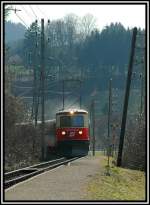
<point>119,184</point>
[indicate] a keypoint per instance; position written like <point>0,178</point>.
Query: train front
<point>72,132</point>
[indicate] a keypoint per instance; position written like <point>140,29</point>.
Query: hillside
<point>14,32</point>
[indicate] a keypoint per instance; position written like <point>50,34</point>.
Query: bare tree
<point>7,12</point>
<point>71,21</point>
<point>87,25</point>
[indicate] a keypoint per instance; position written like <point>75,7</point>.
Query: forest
<point>75,49</point>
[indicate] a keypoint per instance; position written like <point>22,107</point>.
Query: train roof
<point>71,111</point>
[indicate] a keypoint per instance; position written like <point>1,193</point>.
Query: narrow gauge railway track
<point>16,176</point>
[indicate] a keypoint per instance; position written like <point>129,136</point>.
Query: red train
<point>72,132</point>
<point>67,135</point>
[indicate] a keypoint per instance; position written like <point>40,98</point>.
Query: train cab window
<point>77,121</point>
<point>65,121</point>
<point>72,121</point>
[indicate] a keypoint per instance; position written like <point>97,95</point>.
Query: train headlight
<point>80,132</point>
<point>63,132</point>
<point>71,112</point>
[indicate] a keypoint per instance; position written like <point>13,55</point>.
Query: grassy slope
<point>122,184</point>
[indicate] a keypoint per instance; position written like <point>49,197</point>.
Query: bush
<point>14,110</point>
<point>134,145</point>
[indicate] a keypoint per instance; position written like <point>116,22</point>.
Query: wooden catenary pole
<point>126,99</point>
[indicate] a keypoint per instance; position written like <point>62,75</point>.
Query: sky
<point>128,15</point>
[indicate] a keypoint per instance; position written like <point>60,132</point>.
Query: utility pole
<point>63,87</point>
<point>34,67</point>
<point>142,90</point>
<point>114,127</point>
<point>125,108</point>
<point>80,94</point>
<point>141,101</point>
<point>109,114</point>
<point>35,75</point>
<point>42,89</point>
<point>11,9</point>
<point>93,122</point>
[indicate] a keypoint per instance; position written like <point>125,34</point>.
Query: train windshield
<point>72,121</point>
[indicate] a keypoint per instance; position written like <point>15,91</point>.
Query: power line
<point>56,92</point>
<point>41,12</point>
<point>11,9</point>
<point>33,11</point>
<point>73,103</point>
<point>22,21</point>
<point>25,92</point>
<point>28,14</point>
<point>22,87</point>
<point>140,48</point>
<point>140,34</point>
<point>15,10</point>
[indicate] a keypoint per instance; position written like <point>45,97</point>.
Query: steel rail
<point>16,176</point>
